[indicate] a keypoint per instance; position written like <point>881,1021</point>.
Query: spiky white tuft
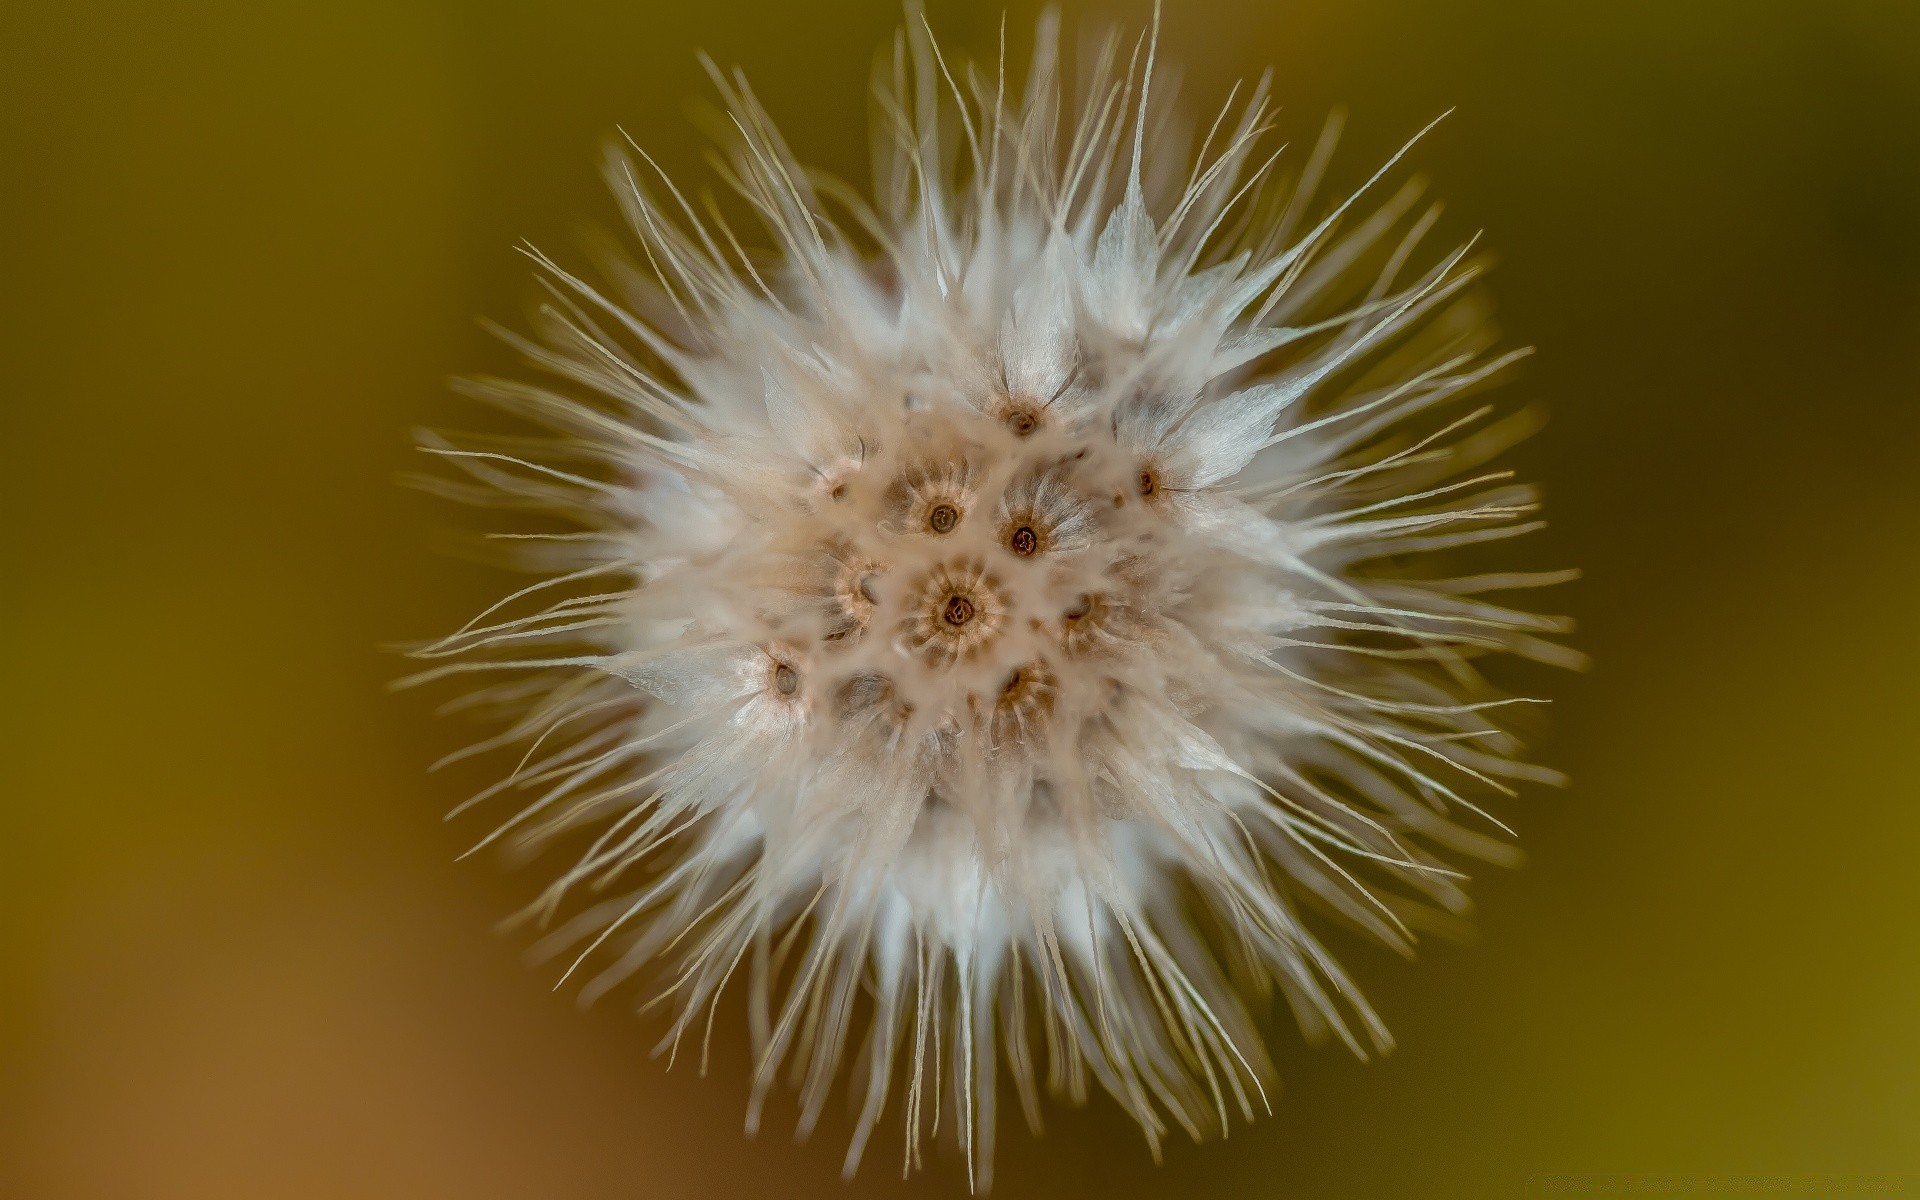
<point>996,620</point>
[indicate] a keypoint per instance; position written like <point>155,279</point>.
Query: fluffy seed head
<point>994,621</point>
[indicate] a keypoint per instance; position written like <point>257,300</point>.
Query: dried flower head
<point>992,623</point>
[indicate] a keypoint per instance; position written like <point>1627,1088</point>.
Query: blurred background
<point>245,246</point>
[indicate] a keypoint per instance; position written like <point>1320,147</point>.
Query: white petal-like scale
<point>976,636</point>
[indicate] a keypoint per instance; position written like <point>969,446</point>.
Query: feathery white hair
<point>995,618</point>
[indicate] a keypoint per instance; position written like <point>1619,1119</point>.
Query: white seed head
<point>993,623</point>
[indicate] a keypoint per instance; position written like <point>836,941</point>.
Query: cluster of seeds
<point>998,631</point>
<point>959,564</point>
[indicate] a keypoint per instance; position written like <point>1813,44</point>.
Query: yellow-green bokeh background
<point>243,247</point>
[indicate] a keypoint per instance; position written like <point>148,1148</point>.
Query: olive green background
<point>244,245</point>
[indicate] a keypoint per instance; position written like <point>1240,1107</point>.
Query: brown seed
<point>1024,541</point>
<point>943,518</point>
<point>786,680</point>
<point>1148,484</point>
<point>958,612</point>
<point>1021,422</point>
<point>1026,699</point>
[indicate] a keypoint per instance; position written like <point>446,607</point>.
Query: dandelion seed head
<point>996,629</point>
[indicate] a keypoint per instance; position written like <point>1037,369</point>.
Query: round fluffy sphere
<point>994,621</point>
